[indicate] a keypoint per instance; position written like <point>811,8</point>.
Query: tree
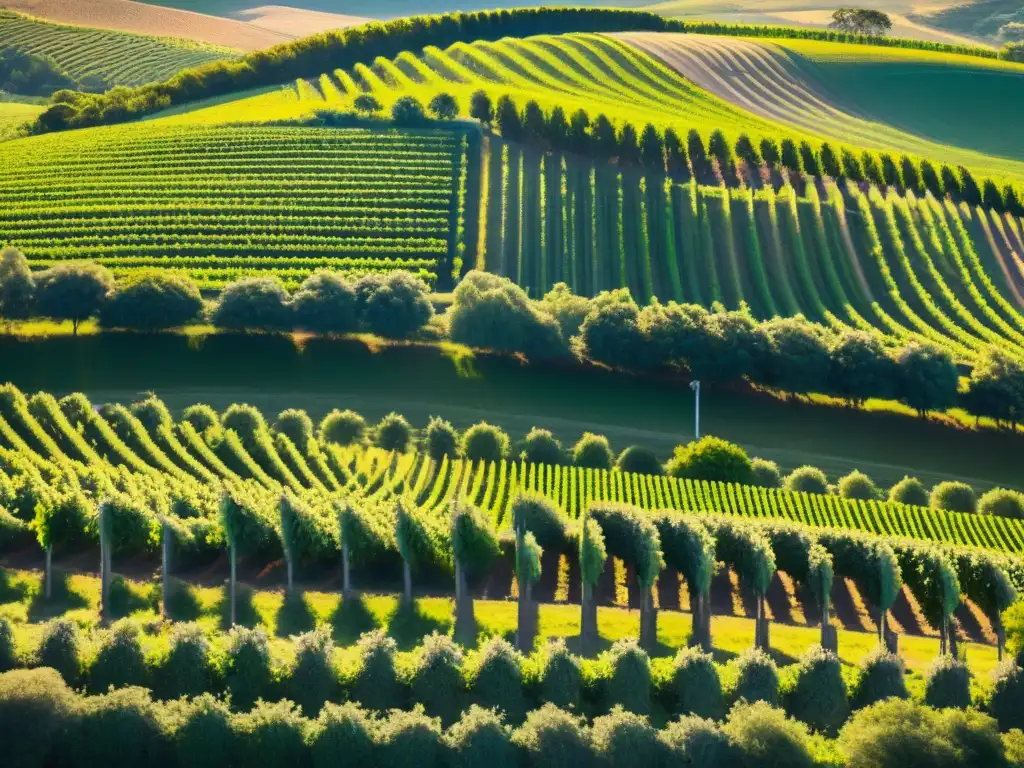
<point>610,333</point>
<point>927,379</point>
<point>770,151</point>
<point>652,149</point>
<point>506,117</point>
<point>258,303</point>
<point>677,165</point>
<point>17,286</point>
<point>698,157</point>
<point>395,306</point>
<point>556,129</point>
<point>629,145</point>
<point>578,138</point>
<point>73,292</point>
<point>474,546</point>
<point>441,439</point>
<point>799,359</point>
<point>407,111</point>
<point>534,124</point>
<point>481,108</point>
<point>861,21</point>
<point>819,577</point>
<point>605,141</point>
<point>325,303</point>
<point>996,388</point>
<point>829,161</point>
<point>152,300</point>
<point>711,459</point>
<point>592,557</point>
<point>859,368</point>
<point>367,104</point>
<point>444,106</point>
<point>528,568</point>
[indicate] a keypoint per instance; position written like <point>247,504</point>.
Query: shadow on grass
<point>182,603</point>
<point>12,591</point>
<point>408,625</point>
<point>351,619</point>
<point>295,616</point>
<point>245,612</point>
<point>125,598</point>
<point>62,600</point>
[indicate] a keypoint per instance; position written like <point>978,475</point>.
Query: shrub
<point>696,686</point>
<point>441,439</point>
<point>437,679</point>
<point>766,737</point>
<point>342,735</point>
<point>559,675</point>
<point>58,648</point>
<point>806,480</point>
<point>73,291</point>
<point>953,496</point>
<point>592,451</point>
<point>947,683</point>
<point>244,419</point>
<point>480,740</point>
<point>541,447</point>
<point>643,461</point>
<point>204,738</point>
<point>151,300</point>
<point>186,670</point>
<point>757,678</point>
<point>376,684</point>
<point>629,677</point>
<point>818,694</point>
<point>857,485</point>
<point>258,303</point>
<point>35,706</point>
<point>366,103</point>
<point>765,474</point>
<point>694,741</point>
<point>17,286</point>
<point>1006,700</point>
<point>395,306</point>
<point>410,740</point>
<point>122,727</point>
<point>271,735</point>
<point>393,433</point>
<point>1002,502</point>
<point>553,738</point>
<point>484,442</point>
<point>312,680</point>
<point>625,739</point>
<point>296,425</point>
<point>8,658</point>
<point>881,677</point>
<point>247,667</point>
<point>444,106</point>
<point>325,303</point>
<point>120,661</point>
<point>711,459</point>
<point>911,491</point>
<point>201,417</point>
<point>407,111</point>
<point>498,683</point>
<point>342,427</point>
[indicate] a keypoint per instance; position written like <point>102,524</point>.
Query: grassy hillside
<point>100,59</point>
<point>14,116</point>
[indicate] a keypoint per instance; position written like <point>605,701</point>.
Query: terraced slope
<point>955,108</point>
<point>100,59</point>
<point>226,202</point>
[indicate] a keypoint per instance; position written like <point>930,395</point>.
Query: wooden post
<point>166,567</point>
<point>105,562</point>
<point>234,580</point>
<point>48,582</point>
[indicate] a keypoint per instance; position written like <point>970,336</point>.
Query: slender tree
<point>592,560</point>
<point>819,577</point>
<point>474,546</point>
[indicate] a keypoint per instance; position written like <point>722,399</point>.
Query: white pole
<point>695,386</point>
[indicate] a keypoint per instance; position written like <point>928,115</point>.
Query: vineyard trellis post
<point>165,566</point>
<point>695,386</point>
<point>105,560</point>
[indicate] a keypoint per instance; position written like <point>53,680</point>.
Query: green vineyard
<point>99,59</point>
<point>223,203</point>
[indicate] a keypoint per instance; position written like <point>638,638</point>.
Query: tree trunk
<point>465,621</point>
<point>166,569</point>
<point>526,620</point>
<point>829,635</point>
<point>105,562</point>
<point>74,327</point>
<point>700,633</point>
<point>761,632</point>
<point>48,584</point>
<point>1000,635</point>
<point>346,583</point>
<point>951,639</point>
<point>233,586</point>
<point>648,621</point>
<point>290,570</point>
<point>588,621</point>
<point>407,579</point>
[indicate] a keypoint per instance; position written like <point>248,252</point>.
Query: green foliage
<point>376,685</point>
<point>1002,502</point>
<point>393,433</point>
<point>410,740</point>
<point>312,681</point>
<point>528,558</point>
<point>541,447</point>
<point>35,708</point>
<point>881,676</point>
<point>186,670</point>
<point>480,107</point>
<point>538,515</point>
<point>202,417</point>
<point>642,461</point>
<point>8,657</point>
<point>204,738</point>
<point>593,451</point>
<point>247,673</point>
<point>593,554</point>
<point>622,738</point>
<point>395,306</point>
<point>1006,699</point>
<point>474,541</point>
<point>928,378</point>
<point>59,649</point>
<point>632,536</point>
<point>440,439</point>
<point>480,740</point>
<point>818,693</point>
<point>485,442</point>
<point>766,737</point>
<point>497,682</point>
<point>152,300</point>
<point>341,735</point>
<point>629,677</point>
<point>947,683</point>
<point>120,661</point>
<point>244,419</point>
<point>954,496</point>
<point>559,675</point>
<point>695,741</point>
<point>765,474</point>
<point>696,687</point>
<point>17,286</point>
<point>256,303</point>
<point>820,574</point>
<point>367,104</point>
<point>757,678</point>
<point>553,738</point>
<point>296,425</point>
<point>911,491</point>
<point>806,479</point>
<point>712,459</point>
<point>122,727</point>
<point>407,111</point>
<point>342,427</point>
<point>272,734</point>
<point>325,303</point>
<point>74,291</point>
<point>857,485</point>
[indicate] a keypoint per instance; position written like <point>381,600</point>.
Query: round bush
<point>694,741</point>
<point>1006,700</point>
<point>757,678</point>
<point>766,737</point>
<point>120,661</point>
<point>204,738</point>
<point>153,413</point>
<point>953,496</point>
<point>541,447</point>
<point>553,738</point>
<point>246,420</point>
<point>881,677</point>
<point>247,667</point>
<point>641,460</point>
<point>393,433</point>
<point>437,679</point>
<point>201,417</point>
<point>325,303</point>
<point>498,683</point>
<point>407,111</point>
<point>409,740</point>
<point>765,474</point>
<point>857,485</point>
<point>1002,502</point>
<point>35,706</point>
<point>441,439</point>
<point>806,480</point>
<point>376,685</point>
<point>58,649</point>
<point>624,739</point>
<point>272,734</point>
<point>711,459</point>
<point>342,427</point>
<point>911,491</point>
<point>312,680</point>
<point>484,442</point>
<point>186,670</point>
<point>593,451</point>
<point>394,306</point>
<point>122,727</point>
<point>629,680</point>
<point>342,735</point>
<point>8,658</point>
<point>296,425</point>
<point>152,300</point>
<point>696,686</point>
<point>559,675</point>
<point>480,740</point>
<point>258,303</point>
<point>947,684</point>
<point>818,695</point>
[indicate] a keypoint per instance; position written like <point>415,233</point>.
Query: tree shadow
<point>62,600</point>
<point>123,599</point>
<point>350,619</point>
<point>11,591</point>
<point>245,612</point>
<point>294,616</point>
<point>182,603</point>
<point>408,625</point>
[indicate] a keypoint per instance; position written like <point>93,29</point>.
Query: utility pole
<point>695,386</point>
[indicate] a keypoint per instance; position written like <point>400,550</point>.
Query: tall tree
<point>17,286</point>
<point>73,292</point>
<point>592,559</point>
